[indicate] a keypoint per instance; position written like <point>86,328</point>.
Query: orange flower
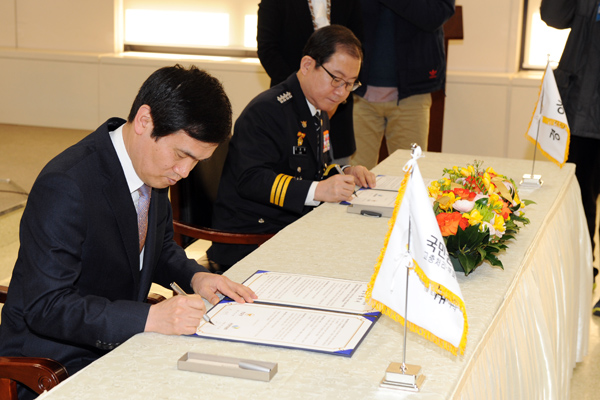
<point>449,223</point>
<point>464,194</point>
<point>505,212</point>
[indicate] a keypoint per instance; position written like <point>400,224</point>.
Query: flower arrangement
<point>477,211</point>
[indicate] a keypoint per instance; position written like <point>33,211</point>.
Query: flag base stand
<point>532,181</point>
<point>397,378</point>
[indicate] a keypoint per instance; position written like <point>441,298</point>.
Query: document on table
<point>373,202</point>
<point>310,292</point>
<point>295,320</point>
<point>379,201</point>
<point>388,182</point>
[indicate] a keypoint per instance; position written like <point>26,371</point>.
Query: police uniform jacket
<point>276,152</point>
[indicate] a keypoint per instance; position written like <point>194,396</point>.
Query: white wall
<point>59,67</point>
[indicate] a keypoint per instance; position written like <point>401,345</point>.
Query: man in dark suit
<point>84,269</point>
<point>278,167</point>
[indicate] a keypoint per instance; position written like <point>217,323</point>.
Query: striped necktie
<point>318,123</point>
<point>142,210</point>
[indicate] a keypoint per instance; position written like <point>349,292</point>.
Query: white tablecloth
<point>528,323</point>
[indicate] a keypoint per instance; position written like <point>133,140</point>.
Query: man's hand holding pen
<point>181,315</point>
<point>340,187</point>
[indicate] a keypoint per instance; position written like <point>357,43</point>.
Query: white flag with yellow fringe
<point>436,309</point>
<point>549,128</point>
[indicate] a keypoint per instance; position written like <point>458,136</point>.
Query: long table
<point>528,323</point>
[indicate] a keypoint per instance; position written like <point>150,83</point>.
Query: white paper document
<point>388,182</point>
<point>310,291</point>
<point>377,198</point>
<point>296,311</point>
<point>323,331</point>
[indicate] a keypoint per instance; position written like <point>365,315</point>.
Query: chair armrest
<point>3,292</point>
<point>220,236</point>
<point>38,374</point>
<point>155,298</point>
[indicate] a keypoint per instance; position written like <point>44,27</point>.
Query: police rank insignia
<point>282,98</point>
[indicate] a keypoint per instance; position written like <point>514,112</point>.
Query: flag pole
<point>405,376</point>
<point>413,148</point>
<point>404,368</point>
<point>532,180</point>
<point>537,134</point>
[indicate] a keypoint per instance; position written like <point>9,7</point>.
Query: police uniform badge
<point>300,150</point>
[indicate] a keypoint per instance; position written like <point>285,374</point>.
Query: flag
<point>436,309</point>
<point>549,129</point>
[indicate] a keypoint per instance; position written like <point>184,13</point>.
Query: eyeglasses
<point>337,82</point>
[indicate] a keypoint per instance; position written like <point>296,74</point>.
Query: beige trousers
<point>402,124</point>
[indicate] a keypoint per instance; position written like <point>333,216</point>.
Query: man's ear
<point>143,120</point>
<point>306,63</point>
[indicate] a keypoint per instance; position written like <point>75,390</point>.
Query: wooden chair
<point>453,30</point>
<point>192,200</point>
<point>38,374</point>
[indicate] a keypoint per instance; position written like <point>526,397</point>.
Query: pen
<point>341,172</point>
<point>180,291</point>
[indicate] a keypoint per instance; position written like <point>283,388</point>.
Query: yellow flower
<point>495,201</point>
<point>474,217</point>
<point>516,199</point>
<point>490,170</point>
<point>434,190</point>
<point>499,223</point>
<point>446,201</point>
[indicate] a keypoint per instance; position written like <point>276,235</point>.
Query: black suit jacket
<point>284,27</point>
<point>77,290</point>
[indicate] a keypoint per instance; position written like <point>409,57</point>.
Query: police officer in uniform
<point>278,165</point>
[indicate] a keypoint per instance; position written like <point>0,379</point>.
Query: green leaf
<point>492,259</point>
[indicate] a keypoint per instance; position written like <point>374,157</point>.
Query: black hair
<point>185,99</point>
<point>325,41</point>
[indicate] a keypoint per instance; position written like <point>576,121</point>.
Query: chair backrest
<point>192,198</point>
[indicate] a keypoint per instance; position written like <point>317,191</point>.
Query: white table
<point>528,323</point>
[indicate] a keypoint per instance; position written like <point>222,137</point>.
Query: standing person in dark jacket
<point>404,63</point>
<point>283,29</point>
<point>578,81</point>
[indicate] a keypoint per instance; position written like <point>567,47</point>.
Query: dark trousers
<point>585,153</point>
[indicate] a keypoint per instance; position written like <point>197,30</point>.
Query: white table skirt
<point>528,323</point>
